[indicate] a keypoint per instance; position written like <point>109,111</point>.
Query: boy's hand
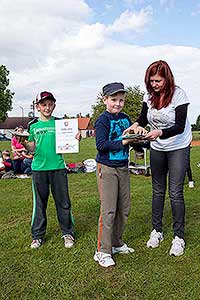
<point>129,141</point>
<point>78,136</point>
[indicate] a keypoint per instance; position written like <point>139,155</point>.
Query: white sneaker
<point>36,243</point>
<point>104,259</point>
<point>68,240</point>
<point>191,184</point>
<point>155,239</point>
<point>178,246</point>
<point>123,249</point>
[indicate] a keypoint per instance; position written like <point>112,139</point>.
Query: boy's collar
<point>112,113</point>
<point>46,120</point>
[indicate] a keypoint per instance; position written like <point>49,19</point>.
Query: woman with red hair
<point>165,109</point>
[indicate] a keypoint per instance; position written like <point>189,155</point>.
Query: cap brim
<point>117,91</point>
<point>50,98</point>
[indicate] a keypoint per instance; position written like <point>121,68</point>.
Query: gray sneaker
<point>178,246</point>
<point>124,249</point>
<point>155,239</point>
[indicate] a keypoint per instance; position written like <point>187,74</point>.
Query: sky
<point>72,48</point>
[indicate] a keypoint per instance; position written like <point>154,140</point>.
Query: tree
<point>198,122</point>
<point>132,106</point>
<point>133,103</point>
<point>66,116</point>
<point>79,115</point>
<point>197,125</point>
<point>5,94</point>
<point>97,108</point>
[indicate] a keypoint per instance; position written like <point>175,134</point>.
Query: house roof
<point>13,122</point>
<point>83,123</point>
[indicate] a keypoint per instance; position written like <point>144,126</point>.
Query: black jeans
<point>171,164</point>
<point>42,180</point>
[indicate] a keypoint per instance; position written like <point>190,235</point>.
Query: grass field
<point>53,272</point>
<point>196,135</point>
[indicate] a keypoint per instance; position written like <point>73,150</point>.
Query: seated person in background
<point>2,167</point>
<point>7,161</point>
<point>17,149</point>
<point>27,161</point>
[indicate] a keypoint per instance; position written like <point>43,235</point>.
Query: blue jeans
<point>171,164</point>
<point>27,166</point>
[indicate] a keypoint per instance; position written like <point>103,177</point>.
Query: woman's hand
<point>136,129</point>
<point>153,135</point>
<point>141,130</point>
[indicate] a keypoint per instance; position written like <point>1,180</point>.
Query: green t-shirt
<point>45,157</point>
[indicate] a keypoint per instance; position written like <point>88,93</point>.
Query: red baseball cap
<point>44,95</point>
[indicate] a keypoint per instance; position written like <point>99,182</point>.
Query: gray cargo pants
<point>114,190</point>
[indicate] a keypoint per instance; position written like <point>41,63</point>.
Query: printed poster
<point>66,130</point>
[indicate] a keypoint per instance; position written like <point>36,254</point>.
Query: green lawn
<point>53,272</point>
<point>196,135</point>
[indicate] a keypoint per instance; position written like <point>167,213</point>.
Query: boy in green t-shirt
<point>48,169</point>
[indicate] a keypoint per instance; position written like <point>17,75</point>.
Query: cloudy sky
<point>74,47</point>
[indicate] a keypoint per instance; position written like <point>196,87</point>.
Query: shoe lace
<point>178,244</point>
<point>155,235</point>
<point>68,237</point>
<point>104,257</point>
<point>36,242</point>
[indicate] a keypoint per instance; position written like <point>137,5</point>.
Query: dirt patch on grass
<point>196,143</point>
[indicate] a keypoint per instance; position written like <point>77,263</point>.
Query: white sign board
<point>66,130</point>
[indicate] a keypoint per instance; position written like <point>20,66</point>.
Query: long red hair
<point>162,69</point>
